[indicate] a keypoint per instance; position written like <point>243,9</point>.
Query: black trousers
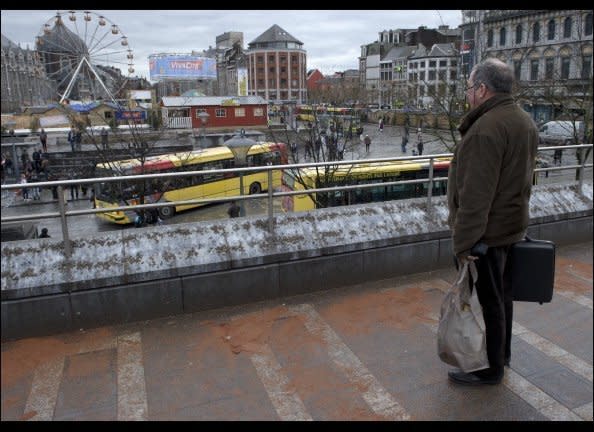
<point>494,292</point>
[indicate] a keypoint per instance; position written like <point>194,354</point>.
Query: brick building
<point>277,66</point>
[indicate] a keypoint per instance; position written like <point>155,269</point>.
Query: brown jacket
<point>490,176</point>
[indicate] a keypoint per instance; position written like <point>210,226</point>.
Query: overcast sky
<point>331,38</point>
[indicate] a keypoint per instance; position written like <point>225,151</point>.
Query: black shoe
<point>471,379</point>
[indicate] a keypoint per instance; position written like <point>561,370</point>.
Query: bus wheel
<point>255,188</point>
<point>166,212</point>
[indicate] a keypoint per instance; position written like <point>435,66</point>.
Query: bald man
<point>489,186</point>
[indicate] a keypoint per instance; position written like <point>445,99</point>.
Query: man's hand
<point>465,256</point>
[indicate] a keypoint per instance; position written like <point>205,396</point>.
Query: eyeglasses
<point>474,86</point>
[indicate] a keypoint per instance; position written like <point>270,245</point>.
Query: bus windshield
<point>200,185</point>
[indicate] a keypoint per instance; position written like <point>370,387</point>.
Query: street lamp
<point>203,116</point>
<point>239,146</point>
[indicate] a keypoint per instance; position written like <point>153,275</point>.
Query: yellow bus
<point>199,186</point>
<point>342,118</point>
<point>363,173</point>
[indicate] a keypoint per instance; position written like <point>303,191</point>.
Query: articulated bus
<point>343,118</point>
<point>363,173</point>
<point>200,186</point>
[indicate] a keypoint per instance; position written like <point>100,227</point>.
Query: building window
<point>551,30</point>
<point>536,32</point>
<point>422,64</point>
<point>108,115</point>
<point>490,38</point>
<point>271,58</point>
<point>533,70</point>
<point>432,63</point>
<point>586,67</point>
<point>431,75</point>
<point>567,27</point>
<point>422,75</point>
<point>260,83</point>
<point>519,34</point>
<point>221,112</point>
<point>549,68</point>
<point>239,112</point>
<point>502,36</point>
<point>565,67</point>
<point>258,112</point>
<point>588,25</point>
<point>517,69</point>
<point>443,63</point>
<point>260,59</point>
<point>442,75</point>
<point>453,75</point>
<point>271,69</point>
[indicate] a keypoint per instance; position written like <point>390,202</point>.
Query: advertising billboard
<point>181,66</point>
<point>130,115</point>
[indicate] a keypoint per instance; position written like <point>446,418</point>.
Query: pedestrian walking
<point>43,140</point>
<point>420,141</point>
<point>381,124</point>
<point>294,151</point>
<point>44,233</point>
<point>104,138</point>
<point>367,141</point>
<point>404,138</point>
<point>488,192</point>
<point>78,139</point>
<point>72,138</point>
<point>24,191</point>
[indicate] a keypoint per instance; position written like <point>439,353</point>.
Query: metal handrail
<point>270,195</point>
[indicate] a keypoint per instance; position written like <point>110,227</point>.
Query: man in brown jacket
<point>489,185</point>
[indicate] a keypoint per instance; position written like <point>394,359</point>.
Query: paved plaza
<point>362,352</point>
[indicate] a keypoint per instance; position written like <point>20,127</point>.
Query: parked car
<point>561,132</point>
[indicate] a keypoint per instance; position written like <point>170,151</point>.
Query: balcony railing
<point>63,214</point>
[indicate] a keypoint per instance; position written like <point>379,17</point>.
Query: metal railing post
<point>62,207</point>
<point>430,190</point>
<point>270,202</point>
<point>581,170</point>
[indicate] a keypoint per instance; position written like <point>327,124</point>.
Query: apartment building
<point>277,66</point>
<point>382,70</point>
<point>549,50</point>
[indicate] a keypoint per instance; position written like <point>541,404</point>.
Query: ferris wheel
<point>86,54</point>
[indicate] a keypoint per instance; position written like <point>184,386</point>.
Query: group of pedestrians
<point>35,169</point>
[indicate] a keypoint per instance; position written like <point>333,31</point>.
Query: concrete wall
<point>138,274</point>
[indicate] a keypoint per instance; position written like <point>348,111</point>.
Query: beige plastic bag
<point>461,336</point>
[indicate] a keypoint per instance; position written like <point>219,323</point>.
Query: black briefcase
<point>532,267</point>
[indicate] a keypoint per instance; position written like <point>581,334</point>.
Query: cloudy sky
<point>331,38</point>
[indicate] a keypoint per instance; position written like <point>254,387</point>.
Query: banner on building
<point>130,115</point>
<point>242,82</point>
<point>176,66</point>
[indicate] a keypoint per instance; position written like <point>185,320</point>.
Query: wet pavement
<point>361,352</point>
